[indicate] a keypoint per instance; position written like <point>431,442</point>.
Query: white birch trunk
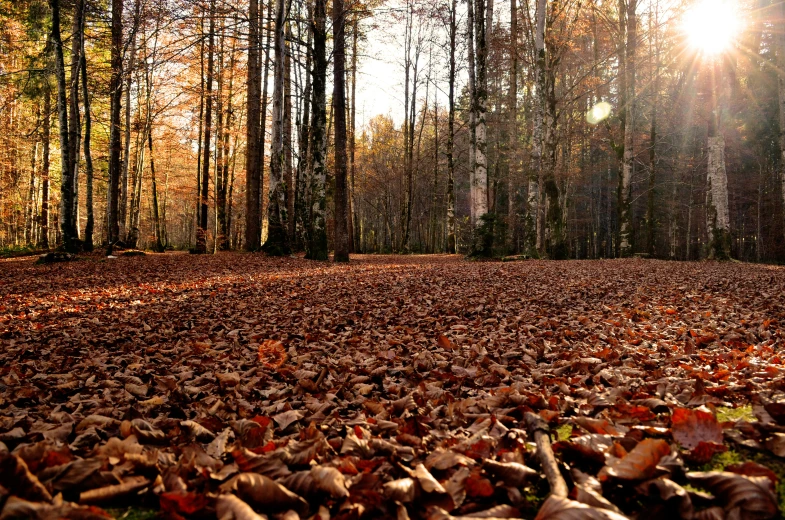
<point>625,232</point>
<point>718,218</point>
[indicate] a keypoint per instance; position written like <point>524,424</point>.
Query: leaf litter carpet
<point>239,386</point>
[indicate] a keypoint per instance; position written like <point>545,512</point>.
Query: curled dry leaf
<point>197,431</point>
<point>427,481</point>
<point>557,508</point>
<point>752,496</point>
<point>109,493</point>
<point>402,490</point>
<point>286,418</point>
<point>511,473</point>
<point>330,480</point>
<point>229,507</point>
<point>264,492</point>
<point>691,427</point>
<point>639,464</point>
<point>441,459</point>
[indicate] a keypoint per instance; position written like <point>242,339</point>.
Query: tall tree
<point>253,155</point>
<point>316,243</point>
<point>201,237</point>
<point>115,146</point>
<point>45,137</point>
<point>717,211</point>
<point>67,230</point>
<point>483,228</point>
<point>627,13</point>
<point>451,242</point>
<point>88,154</point>
<point>781,92</point>
<point>339,105</point>
<point>512,136</point>
<point>277,243</point>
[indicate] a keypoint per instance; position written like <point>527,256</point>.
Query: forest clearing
<point>390,387</point>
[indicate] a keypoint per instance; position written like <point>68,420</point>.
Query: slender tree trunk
<point>266,66</point>
<point>201,240</point>
<point>451,245</point>
<point>472,113</point>
<point>353,220</point>
<point>74,120</point>
<point>316,247</point>
<point>625,180</point>
<point>123,183</point>
<point>650,209</point>
<point>253,172</point>
<point>115,147</point>
<point>226,221</point>
<point>781,90</point>
<point>717,213</point>
<point>30,203</point>
<point>512,140</point>
<point>534,220</point>
<point>45,137</point>
<point>220,146</point>
<point>67,231</point>
<point>303,136</point>
<point>291,222</point>
<point>339,103</point>
<point>88,125</point>
<point>277,243</point>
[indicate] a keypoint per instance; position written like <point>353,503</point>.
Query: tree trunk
<point>451,244</point>
<point>67,231</point>
<point>651,223</point>
<point>277,243</point>
<point>201,239</point>
<point>781,89</point>
<point>220,147</point>
<point>226,221</point>
<point>534,224</point>
<point>45,137</point>
<point>253,155</point>
<point>115,146</point>
<point>625,179</point>
<point>480,184</point>
<point>316,246</point>
<point>88,155</point>
<point>472,112</point>
<point>512,142</point>
<point>74,120</point>
<point>717,214</point>
<point>291,221</point>
<point>339,103</point>
<point>353,219</point>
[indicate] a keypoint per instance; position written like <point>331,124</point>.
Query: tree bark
<point>316,246</point>
<point>717,214</point>
<point>277,243</point>
<point>67,231</point>
<point>628,158</point>
<point>339,104</point>
<point>451,242</point>
<point>201,239</point>
<point>512,151</point>
<point>74,119</point>
<point>781,90</point>
<point>45,137</point>
<point>115,146</point>
<point>88,155</point>
<point>253,173</point>
<point>534,224</point>
<point>291,222</point>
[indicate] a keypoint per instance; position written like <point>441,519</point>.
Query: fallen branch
<point>538,428</point>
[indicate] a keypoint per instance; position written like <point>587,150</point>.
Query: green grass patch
<point>132,513</point>
<point>563,432</point>
<point>742,413</point>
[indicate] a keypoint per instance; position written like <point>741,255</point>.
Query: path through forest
<point>391,386</point>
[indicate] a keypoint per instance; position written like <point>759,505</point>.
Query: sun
<point>711,26</point>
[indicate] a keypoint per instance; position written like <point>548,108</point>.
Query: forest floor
<point>391,387</point>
